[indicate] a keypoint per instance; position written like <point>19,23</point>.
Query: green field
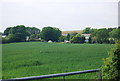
<point>36,58</point>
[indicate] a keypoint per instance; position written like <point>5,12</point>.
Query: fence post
<point>99,76</point>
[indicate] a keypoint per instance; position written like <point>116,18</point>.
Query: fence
<point>57,75</point>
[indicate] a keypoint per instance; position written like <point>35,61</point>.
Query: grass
<point>36,58</point>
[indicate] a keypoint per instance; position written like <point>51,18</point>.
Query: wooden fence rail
<point>56,75</point>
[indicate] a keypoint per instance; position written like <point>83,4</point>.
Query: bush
<point>5,40</point>
<point>111,67</point>
<point>78,39</point>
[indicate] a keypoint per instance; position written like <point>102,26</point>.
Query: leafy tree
<point>72,35</point>
<point>114,34</point>
<point>18,33</point>
<point>102,35</point>
<point>111,67</point>
<point>18,29</point>
<point>110,29</point>
<point>11,38</point>
<point>68,36</point>
<point>87,30</point>
<point>50,33</point>
<point>93,33</point>
<point>62,38</point>
<point>32,37</point>
<point>32,30</point>
<point>78,39</point>
<point>33,33</point>
<point>7,31</point>
<point>93,38</point>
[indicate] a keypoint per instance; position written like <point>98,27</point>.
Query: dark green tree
<point>110,29</point>
<point>72,35</point>
<point>92,38</point>
<point>32,30</point>
<point>33,33</point>
<point>68,36</point>
<point>102,36</point>
<point>87,30</point>
<point>62,38</point>
<point>18,33</point>
<point>114,34</point>
<point>50,33</point>
<point>78,39</point>
<point>7,31</point>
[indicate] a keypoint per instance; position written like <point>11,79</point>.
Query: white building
<point>87,36</point>
<point>49,41</point>
<point>3,36</point>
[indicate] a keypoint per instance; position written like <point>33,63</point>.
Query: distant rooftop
<point>75,31</point>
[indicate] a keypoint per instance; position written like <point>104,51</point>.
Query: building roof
<point>75,31</point>
<point>86,35</point>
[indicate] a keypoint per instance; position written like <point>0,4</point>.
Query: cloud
<point>64,14</point>
<point>57,1</point>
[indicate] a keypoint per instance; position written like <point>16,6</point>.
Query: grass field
<point>35,58</point>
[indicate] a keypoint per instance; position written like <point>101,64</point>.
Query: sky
<point>64,14</point>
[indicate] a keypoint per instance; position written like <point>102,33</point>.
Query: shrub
<point>78,39</point>
<point>111,67</point>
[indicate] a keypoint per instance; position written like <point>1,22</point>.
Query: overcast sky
<point>63,14</point>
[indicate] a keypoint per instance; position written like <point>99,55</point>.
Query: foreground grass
<point>35,58</point>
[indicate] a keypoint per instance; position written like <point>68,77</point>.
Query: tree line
<point>102,35</point>
<point>20,33</point>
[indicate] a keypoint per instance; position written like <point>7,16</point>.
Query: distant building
<point>27,38</point>
<point>49,41</point>
<point>87,36</point>
<point>67,41</point>
<point>3,36</point>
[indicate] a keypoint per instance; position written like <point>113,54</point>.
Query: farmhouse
<point>50,41</point>
<point>3,36</point>
<point>87,36</point>
<point>67,41</point>
<point>27,38</point>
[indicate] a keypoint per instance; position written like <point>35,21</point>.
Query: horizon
<point>69,30</point>
<point>66,15</point>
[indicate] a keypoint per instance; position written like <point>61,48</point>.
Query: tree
<point>111,67</point>
<point>18,33</point>
<point>50,33</point>
<point>110,29</point>
<point>78,39</point>
<point>73,34</point>
<point>7,31</point>
<point>32,30</point>
<point>87,30</point>
<point>68,36</point>
<point>102,35</point>
<point>33,33</point>
<point>93,33</point>
<point>114,34</point>
<point>62,38</point>
<point>18,29</point>
<point>93,38</point>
